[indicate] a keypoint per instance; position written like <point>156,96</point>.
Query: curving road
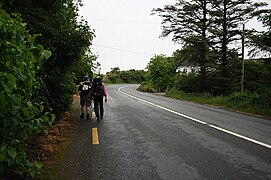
<point>147,136</point>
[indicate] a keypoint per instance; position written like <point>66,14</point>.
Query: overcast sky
<point>127,36</point>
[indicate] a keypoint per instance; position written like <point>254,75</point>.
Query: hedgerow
<point>21,115</point>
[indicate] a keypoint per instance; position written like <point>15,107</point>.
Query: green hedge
<point>21,116</point>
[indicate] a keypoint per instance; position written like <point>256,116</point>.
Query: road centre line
<point>95,137</point>
<point>198,121</point>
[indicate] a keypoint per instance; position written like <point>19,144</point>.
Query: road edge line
<point>199,121</point>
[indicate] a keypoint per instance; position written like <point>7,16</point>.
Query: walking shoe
<point>82,116</point>
<point>98,119</point>
<point>88,116</point>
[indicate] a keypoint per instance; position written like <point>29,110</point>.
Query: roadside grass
<point>220,101</point>
<point>55,146</point>
<point>53,166</point>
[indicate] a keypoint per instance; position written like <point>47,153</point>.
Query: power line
<point>124,50</point>
<point>124,21</point>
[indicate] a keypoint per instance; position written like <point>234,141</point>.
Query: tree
<point>115,70</point>
<point>226,17</point>
<point>261,41</point>
<point>161,72</point>
<point>129,76</point>
<point>22,114</point>
<point>188,22</point>
<point>85,66</point>
<point>132,76</point>
<point>210,27</point>
<point>65,35</point>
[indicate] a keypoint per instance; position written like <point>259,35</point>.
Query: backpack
<point>97,87</point>
<point>84,88</point>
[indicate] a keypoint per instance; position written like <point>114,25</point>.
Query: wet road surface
<point>146,136</point>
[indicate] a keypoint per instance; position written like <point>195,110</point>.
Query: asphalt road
<point>147,136</point>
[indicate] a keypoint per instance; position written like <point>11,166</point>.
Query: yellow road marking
<point>95,138</point>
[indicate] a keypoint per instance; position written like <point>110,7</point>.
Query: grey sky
<point>126,35</point>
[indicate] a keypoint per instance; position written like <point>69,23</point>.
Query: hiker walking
<point>98,91</point>
<point>85,96</point>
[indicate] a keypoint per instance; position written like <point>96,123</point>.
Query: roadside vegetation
<point>45,51</point>
<point>116,76</point>
<point>246,102</point>
<point>208,67</point>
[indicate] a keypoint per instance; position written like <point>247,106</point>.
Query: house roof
<point>187,63</point>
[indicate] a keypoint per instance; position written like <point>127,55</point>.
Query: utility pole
<point>243,60</point>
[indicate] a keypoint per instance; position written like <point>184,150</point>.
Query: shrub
<point>259,99</point>
<point>147,87</point>
<point>21,116</point>
<point>187,82</point>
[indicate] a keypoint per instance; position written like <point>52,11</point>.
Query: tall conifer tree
<point>227,19</point>
<point>188,22</point>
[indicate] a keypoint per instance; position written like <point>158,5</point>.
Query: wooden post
<point>243,60</point>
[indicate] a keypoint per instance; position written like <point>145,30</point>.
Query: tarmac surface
<point>147,136</point>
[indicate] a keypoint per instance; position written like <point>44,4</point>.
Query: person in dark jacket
<point>98,91</point>
<point>85,96</point>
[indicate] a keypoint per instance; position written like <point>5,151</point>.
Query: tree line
<point>210,33</point>
<point>117,76</point>
<point>44,51</point>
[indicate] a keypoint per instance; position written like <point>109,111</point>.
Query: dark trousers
<point>98,106</point>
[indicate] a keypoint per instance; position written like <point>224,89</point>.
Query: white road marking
<point>198,121</point>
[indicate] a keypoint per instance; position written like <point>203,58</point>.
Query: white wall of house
<point>188,69</point>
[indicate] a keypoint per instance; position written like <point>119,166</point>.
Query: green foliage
<point>203,98</point>
<point>63,86</point>
<point>21,115</point>
<point>115,70</point>
<point>226,17</point>
<point>183,20</point>
<point>255,103</point>
<point>133,76</point>
<point>161,72</point>
<point>187,82</point>
<point>84,66</point>
<point>112,78</point>
<point>209,31</point>
<point>68,38</point>
<point>188,22</point>
<point>116,76</point>
<point>260,42</point>
<point>147,87</point>
<point>260,100</point>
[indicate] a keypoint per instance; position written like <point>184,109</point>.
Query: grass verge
<point>223,102</point>
<point>51,148</point>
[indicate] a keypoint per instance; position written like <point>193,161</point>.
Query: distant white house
<point>188,67</point>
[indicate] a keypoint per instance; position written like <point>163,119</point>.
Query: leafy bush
<point>259,99</point>
<point>262,99</point>
<point>21,116</point>
<point>188,82</point>
<point>238,98</point>
<point>161,72</point>
<point>68,36</point>
<point>147,87</point>
<point>115,76</point>
<point>61,86</point>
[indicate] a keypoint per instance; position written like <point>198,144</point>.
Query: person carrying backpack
<point>85,96</point>
<point>98,91</point>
